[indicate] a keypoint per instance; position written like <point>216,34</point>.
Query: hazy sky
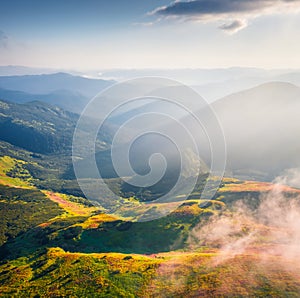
<point>150,34</point>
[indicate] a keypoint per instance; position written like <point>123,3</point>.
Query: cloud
<point>3,39</point>
<point>290,177</point>
<point>234,26</point>
<point>238,11</point>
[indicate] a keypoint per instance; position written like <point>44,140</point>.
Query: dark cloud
<point>3,39</point>
<point>207,7</point>
<point>222,10</point>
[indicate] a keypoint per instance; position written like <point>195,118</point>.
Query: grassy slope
<point>36,268</point>
<point>56,273</point>
<point>59,274</point>
<point>6,165</point>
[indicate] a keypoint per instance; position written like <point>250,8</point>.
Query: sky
<point>109,34</point>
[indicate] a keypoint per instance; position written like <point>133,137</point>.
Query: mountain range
<point>64,90</point>
<point>259,124</point>
<point>243,242</point>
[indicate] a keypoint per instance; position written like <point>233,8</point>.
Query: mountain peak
<point>265,92</point>
<point>277,85</point>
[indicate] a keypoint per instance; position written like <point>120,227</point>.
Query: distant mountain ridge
<point>66,99</point>
<point>64,90</point>
<point>46,83</point>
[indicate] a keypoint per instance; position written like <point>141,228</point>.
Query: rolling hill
<point>37,126</point>
<point>260,125</point>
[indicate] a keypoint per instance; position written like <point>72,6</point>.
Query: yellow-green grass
<point>255,186</point>
<point>210,275</point>
<point>57,273</point>
<point>61,274</point>
<point>93,222</point>
<point>7,164</point>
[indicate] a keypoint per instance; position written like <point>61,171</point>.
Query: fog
<point>271,229</point>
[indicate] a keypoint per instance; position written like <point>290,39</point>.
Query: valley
<point>242,242</point>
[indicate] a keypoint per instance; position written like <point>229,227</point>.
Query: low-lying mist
<point>273,228</point>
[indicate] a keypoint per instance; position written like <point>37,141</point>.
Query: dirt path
<point>70,207</point>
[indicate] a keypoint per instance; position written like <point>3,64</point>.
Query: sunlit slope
<point>54,273</point>
<point>81,227</point>
<point>13,174</point>
<point>54,242</point>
